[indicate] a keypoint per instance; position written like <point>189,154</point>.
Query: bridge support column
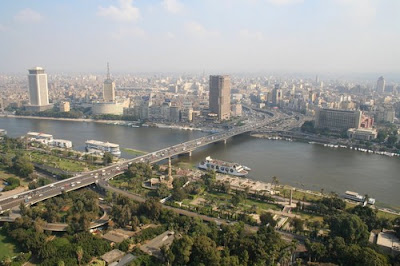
<point>190,153</point>
<point>224,141</point>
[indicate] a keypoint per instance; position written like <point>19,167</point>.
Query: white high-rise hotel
<point>38,91</point>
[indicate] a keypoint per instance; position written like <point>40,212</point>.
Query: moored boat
<point>222,167</point>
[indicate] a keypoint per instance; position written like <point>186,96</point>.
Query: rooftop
<point>101,143</point>
<point>113,255</point>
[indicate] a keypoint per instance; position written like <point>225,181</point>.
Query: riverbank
<point>326,144</point>
<point>61,119</point>
<point>254,184</point>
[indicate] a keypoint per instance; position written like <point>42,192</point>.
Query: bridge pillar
<point>190,153</point>
<point>224,141</point>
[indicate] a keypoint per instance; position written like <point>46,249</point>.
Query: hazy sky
<point>195,35</point>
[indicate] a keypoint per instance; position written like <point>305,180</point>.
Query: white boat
<point>99,147</point>
<point>354,196</point>
<point>222,167</point>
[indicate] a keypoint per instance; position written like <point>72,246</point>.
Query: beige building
<point>113,108</point>
<point>236,109</point>
<point>220,96</point>
<point>65,107</point>
<point>337,120</point>
<point>109,87</point>
<point>362,133</point>
<point>38,90</point>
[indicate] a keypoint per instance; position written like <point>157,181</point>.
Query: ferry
<point>354,196</point>
<point>222,167</point>
<point>99,147</point>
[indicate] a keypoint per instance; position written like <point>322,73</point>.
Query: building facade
<point>65,107</point>
<point>220,96</point>
<point>380,84</point>
<point>38,90</point>
<point>362,133</point>
<point>276,95</point>
<point>337,120</point>
<point>108,87</point>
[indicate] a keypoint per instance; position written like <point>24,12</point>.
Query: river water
<point>302,165</point>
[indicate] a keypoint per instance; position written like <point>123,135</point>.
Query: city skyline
<point>136,36</point>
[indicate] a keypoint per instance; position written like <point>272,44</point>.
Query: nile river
<point>299,164</point>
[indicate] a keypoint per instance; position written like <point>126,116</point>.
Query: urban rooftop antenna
<point>108,70</point>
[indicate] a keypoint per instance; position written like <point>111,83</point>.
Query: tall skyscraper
<point>220,96</point>
<point>109,87</point>
<point>380,84</point>
<point>276,95</point>
<point>38,90</point>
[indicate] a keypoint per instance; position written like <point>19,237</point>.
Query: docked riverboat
<point>222,167</point>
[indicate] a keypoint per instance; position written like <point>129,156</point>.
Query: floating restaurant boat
<point>223,167</point>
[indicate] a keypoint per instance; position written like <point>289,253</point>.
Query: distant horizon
<point>229,36</point>
<point>357,76</point>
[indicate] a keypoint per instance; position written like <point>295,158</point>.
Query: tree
<point>267,218</point>
<point>180,251</point>
<point>315,250</point>
<point>179,194</point>
<point>349,226</point>
<point>204,251</point>
<point>382,134</point>
<point>107,158</point>
<point>275,181</point>
<point>163,191</point>
<point>237,198</point>
<point>79,254</point>
<point>297,224</point>
<point>22,166</point>
<point>134,223</point>
<point>392,139</point>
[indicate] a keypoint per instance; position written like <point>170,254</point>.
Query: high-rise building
<point>220,96</point>
<point>109,87</point>
<point>276,95</point>
<point>38,90</point>
<point>337,120</point>
<point>380,84</point>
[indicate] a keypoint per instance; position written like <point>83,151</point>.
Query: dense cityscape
<point>197,167</point>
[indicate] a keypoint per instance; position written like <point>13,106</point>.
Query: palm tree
<point>275,181</point>
<point>79,254</point>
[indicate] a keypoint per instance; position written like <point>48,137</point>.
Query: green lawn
<point>133,151</point>
<point>122,182</point>
<point>298,195</point>
<point>4,174</point>
<point>262,205</point>
<point>61,163</point>
<point>387,215</point>
<point>7,247</point>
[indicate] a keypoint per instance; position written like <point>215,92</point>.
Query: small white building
<point>3,132</point>
<point>40,137</point>
<point>62,143</point>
